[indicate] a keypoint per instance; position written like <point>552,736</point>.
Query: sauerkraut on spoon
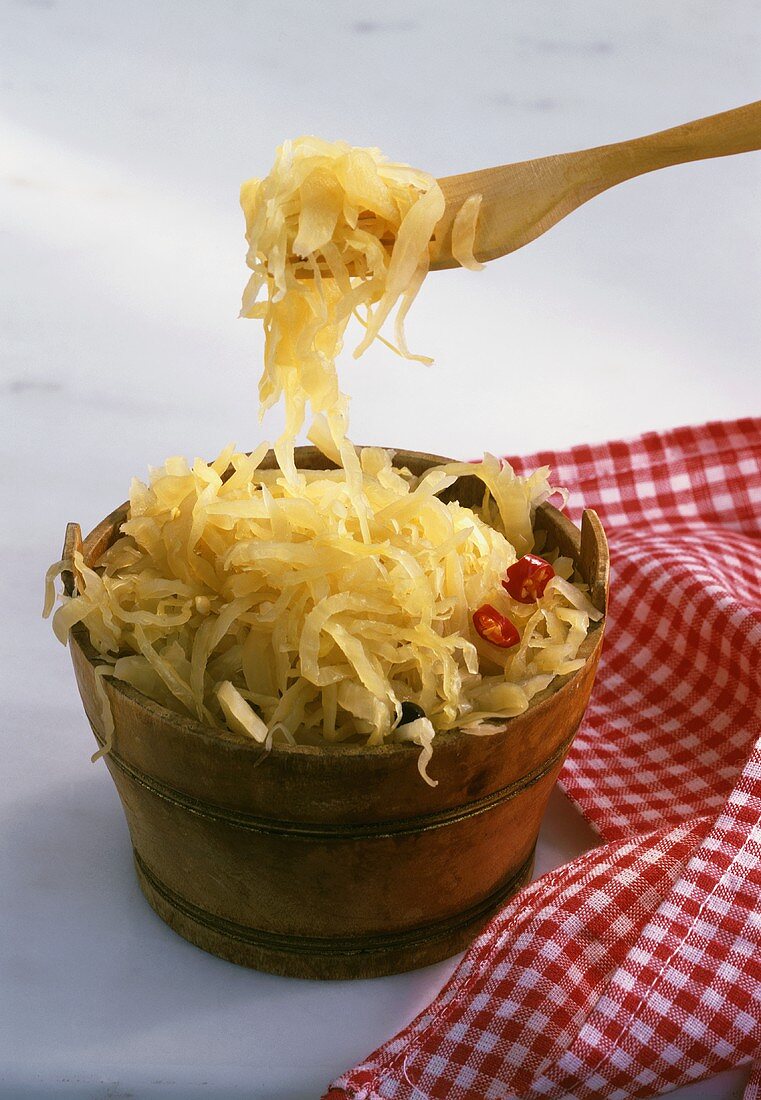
<point>352,603</point>
<point>335,232</point>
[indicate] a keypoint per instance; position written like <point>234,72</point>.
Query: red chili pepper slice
<point>527,579</point>
<point>494,627</point>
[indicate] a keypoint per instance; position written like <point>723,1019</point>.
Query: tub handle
<point>593,558</point>
<point>72,542</point>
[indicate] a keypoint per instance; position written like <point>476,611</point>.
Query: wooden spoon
<point>522,201</point>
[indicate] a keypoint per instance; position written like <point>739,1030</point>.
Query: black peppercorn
<point>410,713</point>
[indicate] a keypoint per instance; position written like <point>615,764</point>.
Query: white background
<point>126,130</point>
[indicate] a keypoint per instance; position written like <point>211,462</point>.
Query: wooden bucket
<point>338,862</point>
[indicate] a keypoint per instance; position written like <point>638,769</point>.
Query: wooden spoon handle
<point>735,131</point>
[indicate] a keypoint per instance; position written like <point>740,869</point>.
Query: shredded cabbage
<point>308,606</point>
<point>333,232</point>
<point>464,233</point>
<point>250,603</point>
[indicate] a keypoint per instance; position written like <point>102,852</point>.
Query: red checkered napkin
<point>636,968</point>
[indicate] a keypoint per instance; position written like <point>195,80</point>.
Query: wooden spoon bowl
<point>522,201</point>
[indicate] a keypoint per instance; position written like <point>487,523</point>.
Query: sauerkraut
<point>334,232</point>
<point>290,605</point>
<point>312,612</point>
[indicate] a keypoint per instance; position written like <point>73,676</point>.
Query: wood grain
<point>337,862</point>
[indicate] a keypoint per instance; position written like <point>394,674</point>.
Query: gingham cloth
<point>636,968</point>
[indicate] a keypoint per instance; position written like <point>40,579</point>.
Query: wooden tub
<point>338,862</point>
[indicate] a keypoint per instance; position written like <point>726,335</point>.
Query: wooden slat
<point>72,543</point>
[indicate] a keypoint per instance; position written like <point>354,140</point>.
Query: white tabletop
<point>126,130</point>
